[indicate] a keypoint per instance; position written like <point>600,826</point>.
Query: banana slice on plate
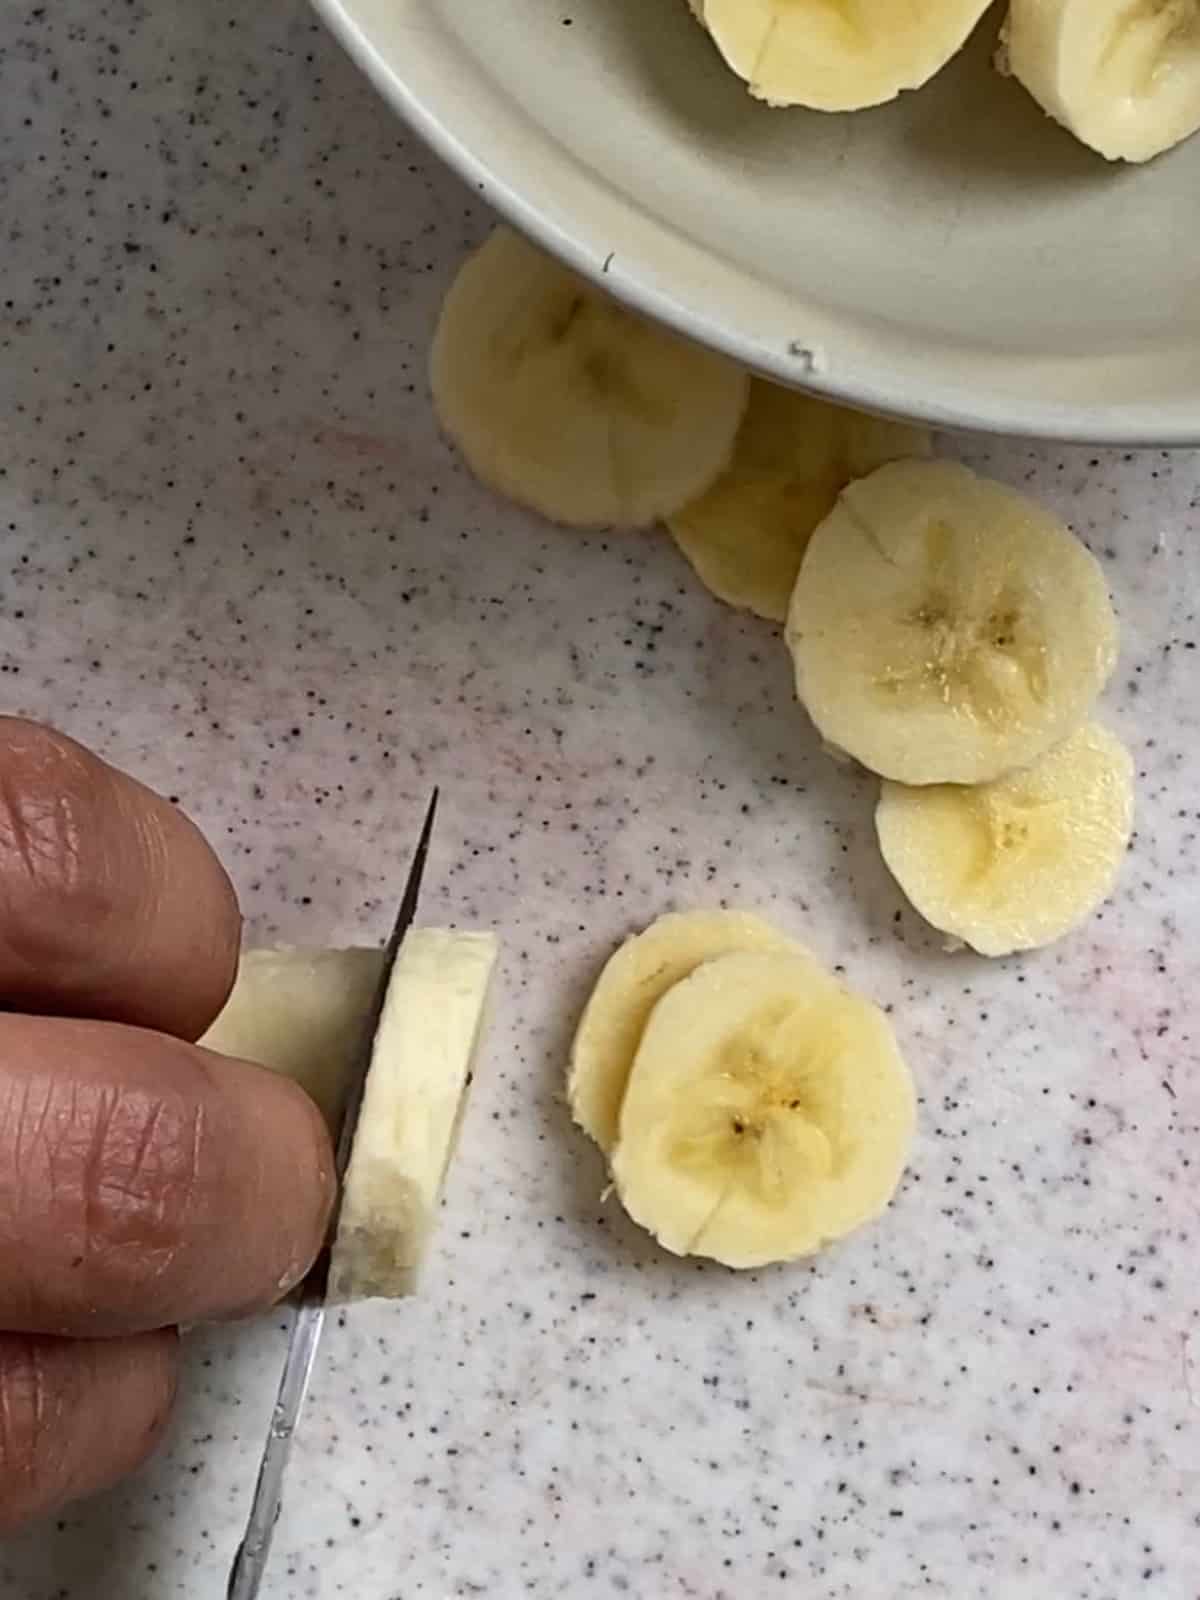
<point>944,628</point>
<point>769,1111</point>
<point>300,1012</point>
<point>1014,864</point>
<point>303,1012</point>
<point>837,55</point>
<point>634,980</point>
<point>1123,77</point>
<point>571,405</point>
<point>794,454</point>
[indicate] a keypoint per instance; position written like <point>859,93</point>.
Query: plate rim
<point>1141,425</point>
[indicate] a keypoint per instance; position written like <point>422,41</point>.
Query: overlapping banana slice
<point>793,456</point>
<point>1122,75</point>
<point>944,628</point>
<point>837,55</point>
<point>1014,864</point>
<point>752,1109</point>
<point>768,1112</point>
<point>303,1012</point>
<point>571,405</point>
<point>632,983</point>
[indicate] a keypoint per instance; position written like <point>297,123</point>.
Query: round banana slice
<point>1124,78</point>
<point>768,1112</point>
<point>837,55</point>
<point>634,980</point>
<point>794,455</point>
<point>1014,864</point>
<point>946,629</point>
<point>570,405</point>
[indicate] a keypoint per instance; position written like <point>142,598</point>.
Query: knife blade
<point>249,1564</point>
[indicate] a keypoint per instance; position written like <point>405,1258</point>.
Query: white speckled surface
<point>237,557</point>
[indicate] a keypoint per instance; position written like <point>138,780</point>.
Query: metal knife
<point>250,1562</point>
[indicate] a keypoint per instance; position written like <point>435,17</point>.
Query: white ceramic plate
<point>954,256</point>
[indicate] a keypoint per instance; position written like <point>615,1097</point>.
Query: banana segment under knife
<point>303,1012</point>
<point>837,55</point>
<point>746,535</point>
<point>944,628</point>
<point>768,1112</point>
<point>633,981</point>
<point>571,405</point>
<point>1122,75</point>
<point>1014,864</point>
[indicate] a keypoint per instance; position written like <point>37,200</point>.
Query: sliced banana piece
<point>794,454</point>
<point>571,405</point>
<point>944,628</point>
<point>837,55</point>
<point>1122,75</point>
<point>634,980</point>
<point>301,1013</point>
<point>768,1112</point>
<point>422,1065</point>
<point>1014,864</point>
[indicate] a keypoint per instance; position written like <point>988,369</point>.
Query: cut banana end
<point>570,405</point>
<point>301,1013</point>
<point>837,55</point>
<point>422,1066</point>
<point>634,980</point>
<point>768,1112</point>
<point>794,454</point>
<point>1015,864</point>
<point>1123,77</point>
<point>946,629</point>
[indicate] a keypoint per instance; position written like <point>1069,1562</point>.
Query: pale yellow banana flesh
<point>422,1065</point>
<point>303,1013</point>
<point>768,1112</point>
<point>300,1013</point>
<point>1122,75</point>
<point>944,628</point>
<point>633,981</point>
<point>794,454</point>
<point>1018,863</point>
<point>837,55</point>
<point>567,403</point>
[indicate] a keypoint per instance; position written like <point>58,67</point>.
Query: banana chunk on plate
<point>768,1112</point>
<point>794,454</point>
<point>837,55</point>
<point>569,404</point>
<point>633,981</point>
<point>303,1012</point>
<point>946,629</point>
<point>1014,864</point>
<point>1123,77</point>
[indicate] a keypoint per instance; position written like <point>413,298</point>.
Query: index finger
<point>145,1181</point>
<point>112,905</point>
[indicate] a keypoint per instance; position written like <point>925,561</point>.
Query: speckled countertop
<point>238,558</point>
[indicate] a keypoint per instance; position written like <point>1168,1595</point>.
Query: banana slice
<point>1122,75</point>
<point>768,1112</point>
<point>794,455</point>
<point>632,983</point>
<point>569,404</point>
<point>1014,864</point>
<point>422,1066</point>
<point>300,1012</point>
<point>837,55</point>
<point>944,628</point>
<point>303,1012</point>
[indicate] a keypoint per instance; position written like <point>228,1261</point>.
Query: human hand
<point>144,1182</point>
